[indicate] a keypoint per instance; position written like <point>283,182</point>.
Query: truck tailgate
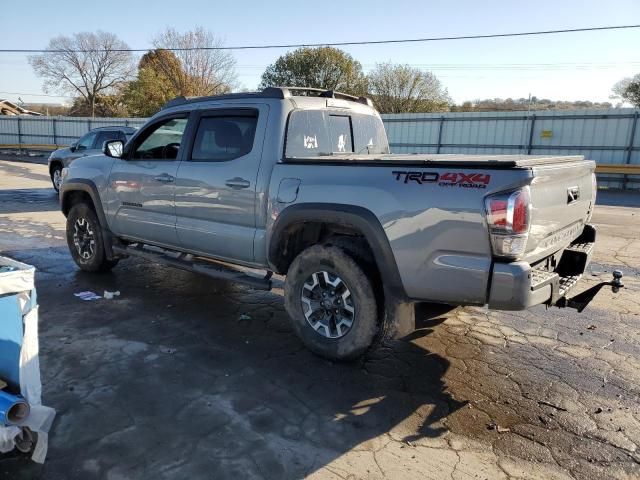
<point>562,199</point>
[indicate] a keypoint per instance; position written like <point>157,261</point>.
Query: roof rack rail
<point>321,92</point>
<point>270,92</point>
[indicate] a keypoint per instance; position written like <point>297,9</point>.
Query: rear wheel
<point>56,176</point>
<point>331,303</point>
<point>85,240</point>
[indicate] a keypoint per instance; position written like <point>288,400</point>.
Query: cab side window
<point>86,142</point>
<point>224,137</point>
<point>161,141</point>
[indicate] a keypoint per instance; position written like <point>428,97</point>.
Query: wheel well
<point>53,164</point>
<point>75,197</point>
<point>298,236</point>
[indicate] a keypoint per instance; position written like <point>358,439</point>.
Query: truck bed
<point>440,160</point>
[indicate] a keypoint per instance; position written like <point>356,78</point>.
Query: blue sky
<point>578,66</point>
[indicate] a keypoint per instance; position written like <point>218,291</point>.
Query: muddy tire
<point>85,240</point>
<point>331,302</point>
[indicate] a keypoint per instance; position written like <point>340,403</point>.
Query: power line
<point>337,44</point>
<point>36,94</point>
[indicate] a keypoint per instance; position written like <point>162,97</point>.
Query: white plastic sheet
<point>21,283</point>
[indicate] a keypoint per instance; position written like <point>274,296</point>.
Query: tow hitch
<point>580,301</point>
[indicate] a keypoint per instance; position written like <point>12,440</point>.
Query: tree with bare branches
<point>628,90</point>
<point>89,65</point>
<point>402,89</point>
<point>205,70</point>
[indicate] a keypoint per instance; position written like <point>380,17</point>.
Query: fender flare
<point>54,162</point>
<point>88,187</point>
<point>349,215</point>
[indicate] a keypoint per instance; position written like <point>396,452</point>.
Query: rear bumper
<point>518,285</point>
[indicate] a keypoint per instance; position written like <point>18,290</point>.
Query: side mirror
<point>73,146</point>
<point>113,148</point>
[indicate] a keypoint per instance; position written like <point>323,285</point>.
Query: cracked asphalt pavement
<point>185,377</point>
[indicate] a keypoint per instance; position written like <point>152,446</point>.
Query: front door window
<point>86,142</point>
<point>162,141</point>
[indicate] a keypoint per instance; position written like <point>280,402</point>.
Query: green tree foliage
<point>628,90</point>
<point>153,86</point>
<point>403,89</point>
<point>322,67</point>
<point>105,106</point>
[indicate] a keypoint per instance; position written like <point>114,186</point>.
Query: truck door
<point>143,183</point>
<point>216,182</point>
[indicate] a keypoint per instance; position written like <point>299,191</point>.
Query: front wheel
<point>56,177</point>
<point>85,240</point>
<point>331,303</point>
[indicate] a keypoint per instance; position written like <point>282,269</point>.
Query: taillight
<point>508,219</point>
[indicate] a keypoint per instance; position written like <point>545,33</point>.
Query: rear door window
<point>105,137</point>
<point>224,137</point>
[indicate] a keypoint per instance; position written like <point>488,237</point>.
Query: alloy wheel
<point>84,238</point>
<point>327,304</point>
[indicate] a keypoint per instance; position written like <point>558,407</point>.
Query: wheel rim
<point>327,304</point>
<point>57,178</point>
<point>84,238</point>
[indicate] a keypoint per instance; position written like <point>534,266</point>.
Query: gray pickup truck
<point>300,182</point>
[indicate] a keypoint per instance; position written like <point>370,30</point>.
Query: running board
<point>188,262</point>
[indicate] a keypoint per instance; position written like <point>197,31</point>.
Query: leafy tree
<point>403,89</point>
<point>628,90</point>
<point>105,106</point>
<point>153,86</point>
<point>89,65</point>
<point>322,67</point>
<point>206,71</point>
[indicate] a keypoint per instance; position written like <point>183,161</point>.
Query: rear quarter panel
<point>436,229</point>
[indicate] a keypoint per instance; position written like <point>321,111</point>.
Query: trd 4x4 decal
<point>448,179</point>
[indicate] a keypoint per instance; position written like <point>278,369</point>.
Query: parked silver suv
<point>89,144</point>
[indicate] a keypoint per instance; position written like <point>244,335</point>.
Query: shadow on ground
<point>173,380</point>
<point>17,168</point>
<point>29,200</point>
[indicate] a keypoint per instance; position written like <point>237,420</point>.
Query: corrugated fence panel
<point>8,130</point>
<point>27,130</point>
<point>34,130</point>
<point>600,135</point>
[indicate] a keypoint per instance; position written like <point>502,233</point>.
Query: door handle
<point>238,183</point>
<point>165,178</point>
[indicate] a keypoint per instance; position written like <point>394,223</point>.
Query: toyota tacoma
<point>300,182</point>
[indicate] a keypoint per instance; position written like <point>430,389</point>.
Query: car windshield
<point>311,133</point>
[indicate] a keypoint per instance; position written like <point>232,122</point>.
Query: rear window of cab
<point>325,132</point>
